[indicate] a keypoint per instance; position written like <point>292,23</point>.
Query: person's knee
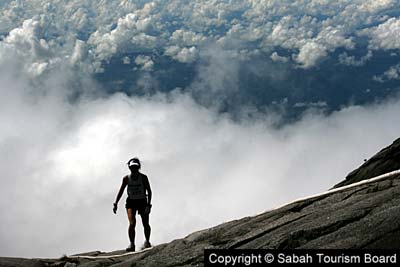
<point>132,221</point>
<point>146,224</point>
<point>145,219</point>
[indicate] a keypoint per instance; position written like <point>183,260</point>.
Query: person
<point>137,185</point>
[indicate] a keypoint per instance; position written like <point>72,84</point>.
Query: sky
<point>234,108</point>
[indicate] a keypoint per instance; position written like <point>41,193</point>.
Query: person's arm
<point>120,192</point>
<point>148,188</point>
<point>149,195</point>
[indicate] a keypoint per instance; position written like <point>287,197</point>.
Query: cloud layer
<point>224,53</point>
<point>95,32</point>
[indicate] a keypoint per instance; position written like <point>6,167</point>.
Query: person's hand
<point>148,209</point>
<point>115,208</point>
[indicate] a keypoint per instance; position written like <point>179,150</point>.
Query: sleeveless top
<point>135,188</point>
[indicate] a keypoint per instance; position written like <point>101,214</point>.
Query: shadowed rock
<point>386,160</point>
<point>366,216</point>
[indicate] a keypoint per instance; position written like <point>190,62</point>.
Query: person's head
<point>134,164</point>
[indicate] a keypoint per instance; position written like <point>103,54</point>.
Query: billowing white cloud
<point>309,29</point>
<point>393,73</point>
<point>384,36</point>
<point>310,54</point>
<point>126,60</point>
<point>345,59</point>
<point>79,52</point>
<point>378,5</point>
<point>145,62</point>
<point>187,38</point>
<point>278,58</point>
<point>27,44</point>
<point>184,55</point>
<point>130,30</point>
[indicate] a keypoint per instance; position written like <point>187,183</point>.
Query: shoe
<point>146,244</point>
<point>130,248</point>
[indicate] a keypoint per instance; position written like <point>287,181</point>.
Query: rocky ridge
<point>364,216</point>
<point>386,160</point>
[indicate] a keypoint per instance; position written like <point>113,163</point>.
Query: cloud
<point>187,38</point>
<point>393,73</point>
<point>310,54</point>
<point>347,60</point>
<point>318,104</point>
<point>26,43</point>
<point>130,30</point>
<point>277,58</point>
<point>79,53</point>
<point>217,78</point>
<point>145,62</point>
<point>384,36</point>
<point>310,30</point>
<point>126,60</point>
<point>183,55</point>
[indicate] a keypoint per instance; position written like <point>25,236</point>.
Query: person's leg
<point>132,225</point>
<point>146,226</point>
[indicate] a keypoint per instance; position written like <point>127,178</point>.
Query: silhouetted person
<point>137,185</point>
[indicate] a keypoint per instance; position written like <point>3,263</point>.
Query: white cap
<point>132,162</point>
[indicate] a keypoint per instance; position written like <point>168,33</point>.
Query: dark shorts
<point>138,205</point>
